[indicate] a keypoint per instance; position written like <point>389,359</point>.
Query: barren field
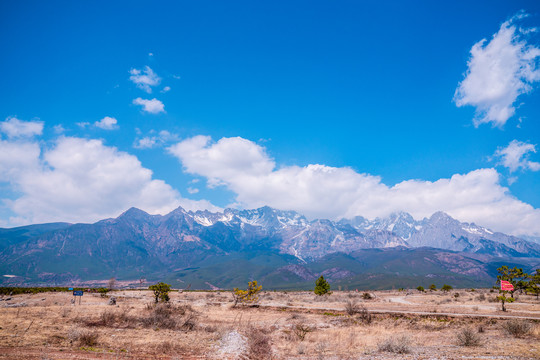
<point>291,325</point>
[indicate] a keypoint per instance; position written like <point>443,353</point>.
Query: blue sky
<point>255,95</point>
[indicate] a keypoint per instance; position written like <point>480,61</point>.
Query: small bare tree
<point>111,285</point>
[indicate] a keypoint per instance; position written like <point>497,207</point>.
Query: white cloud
<point>59,129</point>
<point>516,156</point>
<point>153,106</point>
<point>224,160</point>
<point>83,124</point>
<point>192,190</point>
<point>145,142</point>
<point>15,128</point>
<point>145,78</point>
<point>499,71</point>
<point>166,89</point>
<point>107,123</point>
<point>320,191</point>
<point>148,142</point>
<point>80,180</point>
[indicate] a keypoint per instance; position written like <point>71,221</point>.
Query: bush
<point>396,344</point>
<point>161,291</point>
<point>160,316</point>
<point>420,288</point>
<point>468,337</point>
<point>258,344</point>
<point>351,307</point>
<point>83,337</point>
<point>251,295</point>
<point>364,315</point>
<point>103,291</point>
<point>322,286</point>
<point>446,288</point>
<point>367,296</point>
<point>517,328</point>
<point>301,330</point>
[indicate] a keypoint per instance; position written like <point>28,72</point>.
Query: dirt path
<point>275,306</point>
<point>400,300</point>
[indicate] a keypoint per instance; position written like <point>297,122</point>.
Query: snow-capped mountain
<point>444,232</point>
<point>137,242</point>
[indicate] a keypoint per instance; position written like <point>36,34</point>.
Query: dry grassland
<point>293,325</point>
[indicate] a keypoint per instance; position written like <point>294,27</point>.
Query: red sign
<point>505,285</point>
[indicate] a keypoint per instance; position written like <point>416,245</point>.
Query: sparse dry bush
<point>259,347</point>
<point>517,328</point>
<point>367,296</point>
<point>396,344</point>
<point>165,347</point>
<point>320,349</point>
<point>364,315</point>
<point>295,316</point>
<point>481,297</point>
<point>481,328</point>
<point>65,312</point>
<point>468,337</point>
<point>351,307</point>
<point>107,318</point>
<point>83,337</point>
<point>301,330</point>
<point>161,316</point>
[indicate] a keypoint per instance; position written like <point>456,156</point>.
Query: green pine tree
<point>322,286</point>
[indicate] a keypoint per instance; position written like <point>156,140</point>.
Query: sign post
<point>78,293</point>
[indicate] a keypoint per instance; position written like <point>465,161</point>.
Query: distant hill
<point>282,249</point>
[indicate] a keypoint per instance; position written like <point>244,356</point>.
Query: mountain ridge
<point>137,243</point>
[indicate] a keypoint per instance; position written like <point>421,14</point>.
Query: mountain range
<point>283,249</point>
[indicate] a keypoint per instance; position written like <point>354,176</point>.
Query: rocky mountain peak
<point>134,213</point>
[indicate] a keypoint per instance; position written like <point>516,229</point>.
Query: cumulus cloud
<point>80,180</point>
<point>153,106</point>
<point>516,156</point>
<point>107,123</point>
<point>320,191</point>
<point>499,71</point>
<point>166,89</point>
<point>145,78</point>
<point>15,128</point>
<point>224,160</point>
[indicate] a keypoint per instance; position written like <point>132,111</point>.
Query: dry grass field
<point>292,325</point>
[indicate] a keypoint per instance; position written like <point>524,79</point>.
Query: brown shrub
<point>160,316</point>
<point>83,337</point>
<point>364,315</point>
<point>351,307</point>
<point>468,337</point>
<point>301,330</point>
<point>517,328</point>
<point>396,344</point>
<point>259,347</point>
